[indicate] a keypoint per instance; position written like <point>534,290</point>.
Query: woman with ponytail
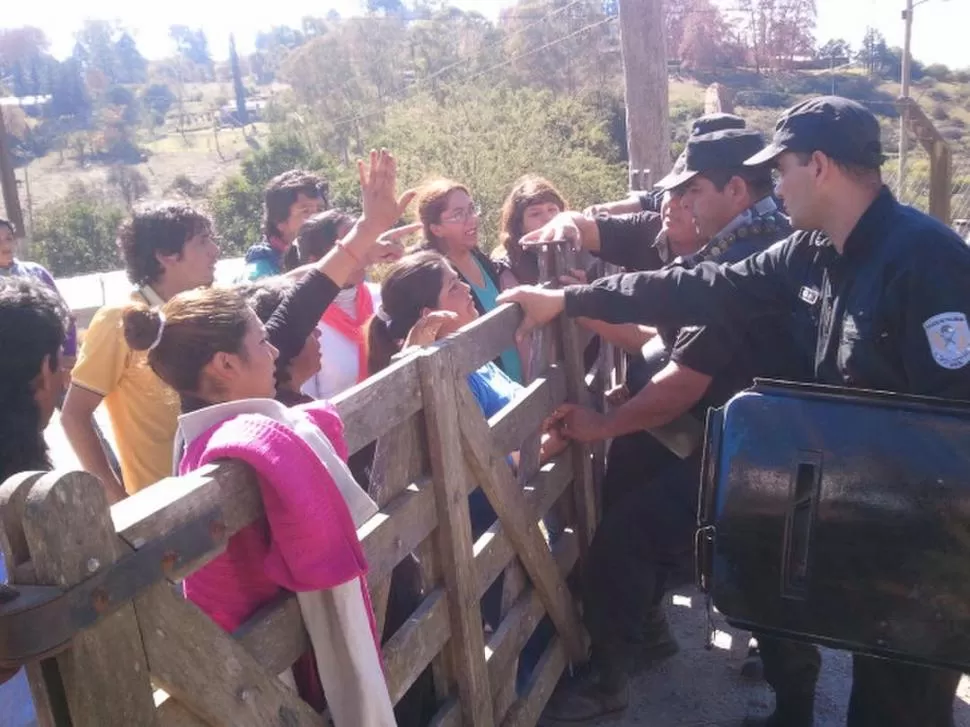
<point>210,347</point>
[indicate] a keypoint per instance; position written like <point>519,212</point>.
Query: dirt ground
<point>700,688</point>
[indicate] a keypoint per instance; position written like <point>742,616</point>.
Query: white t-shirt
<point>339,360</point>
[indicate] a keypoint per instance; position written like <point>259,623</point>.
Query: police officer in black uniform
<point>649,533</point>
<point>885,290</point>
<point>651,200</point>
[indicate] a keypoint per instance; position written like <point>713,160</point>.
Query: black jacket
<point>890,313</point>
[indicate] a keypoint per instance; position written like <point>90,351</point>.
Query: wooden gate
<point>145,656</point>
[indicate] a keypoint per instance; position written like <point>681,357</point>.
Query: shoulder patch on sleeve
<point>949,338</point>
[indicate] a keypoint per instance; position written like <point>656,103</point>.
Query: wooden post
<point>642,40</point>
<point>941,158</point>
<point>8,180</point>
<point>70,536</point>
<point>439,393</point>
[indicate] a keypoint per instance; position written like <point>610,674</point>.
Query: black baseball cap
<point>727,149</point>
<point>715,122</point>
<point>706,125</point>
<point>840,128</point>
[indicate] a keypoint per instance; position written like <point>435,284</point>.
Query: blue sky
<point>939,31</point>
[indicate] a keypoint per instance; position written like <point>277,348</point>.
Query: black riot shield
<point>841,517</point>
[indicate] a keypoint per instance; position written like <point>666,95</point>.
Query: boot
<point>751,668</point>
<point>791,711</point>
<point>586,698</point>
<point>657,643</point>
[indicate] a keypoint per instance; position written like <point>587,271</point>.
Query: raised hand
<point>382,208</point>
<point>572,228</point>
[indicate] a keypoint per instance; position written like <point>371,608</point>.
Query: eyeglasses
<point>460,217</point>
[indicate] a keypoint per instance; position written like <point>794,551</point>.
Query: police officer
<point>649,533</point>
<point>885,290</point>
<point>651,200</point>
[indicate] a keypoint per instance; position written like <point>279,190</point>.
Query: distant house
<point>228,116</point>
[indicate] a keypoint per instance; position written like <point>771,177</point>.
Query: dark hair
<point>264,296</point>
<point>281,194</point>
<point>199,324</point>
<point>412,284</point>
<point>858,172</point>
<point>319,234</point>
<point>4,222</point>
<point>33,321</point>
<point>432,203</point>
<point>758,180</point>
<point>157,229</point>
<point>528,190</point>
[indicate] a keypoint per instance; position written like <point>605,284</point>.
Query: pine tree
<point>237,83</point>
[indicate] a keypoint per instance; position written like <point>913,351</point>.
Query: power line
<point>358,117</point>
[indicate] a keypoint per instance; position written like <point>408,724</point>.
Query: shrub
<point>76,234</point>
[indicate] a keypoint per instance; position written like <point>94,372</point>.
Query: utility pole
<point>11,200</point>
<point>904,93</point>
<point>643,42</point>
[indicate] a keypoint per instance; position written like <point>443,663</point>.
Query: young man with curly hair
<point>167,248</point>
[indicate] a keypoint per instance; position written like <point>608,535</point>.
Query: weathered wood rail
<point>148,657</point>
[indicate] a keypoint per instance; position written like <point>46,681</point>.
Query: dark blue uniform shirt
<point>890,313</point>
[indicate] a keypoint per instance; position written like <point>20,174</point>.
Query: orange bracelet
<point>350,252</point>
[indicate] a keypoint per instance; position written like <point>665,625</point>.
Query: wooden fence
<point>145,656</point>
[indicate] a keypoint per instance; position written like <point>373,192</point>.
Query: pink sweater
<point>308,541</point>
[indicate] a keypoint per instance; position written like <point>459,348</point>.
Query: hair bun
<point>141,325</point>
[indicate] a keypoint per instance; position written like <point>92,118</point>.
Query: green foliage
<point>489,137</point>
<point>158,99</point>
<point>237,204</point>
<point>77,234</point>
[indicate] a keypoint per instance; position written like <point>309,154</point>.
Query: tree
<point>96,43</point>
<point>69,94</point>
<point>130,183</point>
<point>193,47</point>
<point>158,99</point>
<point>836,48</point>
<point>705,42</point>
<point>776,31</point>
<point>874,54</point>
<point>387,7</point>
<point>132,66</point>
<point>237,83</point>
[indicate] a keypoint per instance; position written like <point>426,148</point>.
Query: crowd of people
<point>789,260</point>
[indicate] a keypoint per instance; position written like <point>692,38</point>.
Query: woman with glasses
<point>451,227</point>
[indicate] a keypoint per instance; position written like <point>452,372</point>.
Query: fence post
<point>454,535</point>
<point>70,536</point>
<point>584,492</point>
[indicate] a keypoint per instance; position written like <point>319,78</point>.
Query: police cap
<point>715,122</point>
<point>843,130</point>
<point>727,149</point>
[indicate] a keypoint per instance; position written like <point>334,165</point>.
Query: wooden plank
<point>576,392</point>
<point>46,688</point>
<point>531,408</point>
<point>374,407</point>
<point>275,635</point>
<point>526,712</point>
<point>388,537</point>
<point>439,393</point>
<point>172,713</point>
<point>210,673</point>
<point>504,692</point>
<point>449,715</point>
<point>507,499</point>
<point>485,339</point>
<point>541,494</point>
<point>158,510</point>
<point>409,651</point>
<point>400,458</point>
<point>524,615</point>
<point>70,536</point>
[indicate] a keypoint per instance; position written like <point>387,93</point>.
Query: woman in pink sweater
<point>210,347</point>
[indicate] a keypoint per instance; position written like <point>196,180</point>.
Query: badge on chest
<point>949,339</point>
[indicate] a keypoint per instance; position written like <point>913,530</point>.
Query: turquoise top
<point>488,297</point>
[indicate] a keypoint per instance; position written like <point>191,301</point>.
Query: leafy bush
<point>77,234</point>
